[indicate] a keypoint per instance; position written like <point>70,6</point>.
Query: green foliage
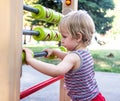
<point>96,8</point>
<point>53,4</point>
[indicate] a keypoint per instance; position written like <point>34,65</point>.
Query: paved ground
<point>109,84</point>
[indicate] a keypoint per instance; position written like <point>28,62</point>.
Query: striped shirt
<point>80,83</point>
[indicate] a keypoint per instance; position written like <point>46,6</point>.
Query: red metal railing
<point>39,86</point>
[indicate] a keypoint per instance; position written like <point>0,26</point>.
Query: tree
<point>53,4</point>
<point>116,23</point>
<point>96,8</point>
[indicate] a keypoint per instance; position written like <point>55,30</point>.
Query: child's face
<point>68,42</point>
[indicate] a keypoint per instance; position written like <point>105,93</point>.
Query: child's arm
<point>68,63</point>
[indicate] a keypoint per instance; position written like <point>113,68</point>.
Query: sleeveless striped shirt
<point>80,83</point>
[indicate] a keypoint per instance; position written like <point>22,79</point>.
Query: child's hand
<point>29,54</point>
<point>50,52</point>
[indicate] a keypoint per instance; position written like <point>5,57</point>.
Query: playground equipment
<point>43,34</point>
<point>37,54</point>
<point>46,14</point>
<point>11,43</point>
<point>39,86</point>
<point>40,54</point>
<point>10,49</point>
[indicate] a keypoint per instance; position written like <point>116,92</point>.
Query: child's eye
<point>64,36</point>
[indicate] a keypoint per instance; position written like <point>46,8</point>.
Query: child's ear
<point>79,38</point>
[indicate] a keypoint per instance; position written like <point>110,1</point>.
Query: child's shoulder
<point>82,51</point>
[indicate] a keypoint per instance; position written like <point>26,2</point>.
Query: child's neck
<point>81,47</point>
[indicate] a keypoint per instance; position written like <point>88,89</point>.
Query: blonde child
<point>77,65</point>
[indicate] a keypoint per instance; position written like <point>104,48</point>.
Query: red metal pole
<point>39,86</point>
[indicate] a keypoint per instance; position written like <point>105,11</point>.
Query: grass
<point>105,60</point>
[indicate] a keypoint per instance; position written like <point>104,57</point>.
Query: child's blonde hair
<point>78,21</point>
